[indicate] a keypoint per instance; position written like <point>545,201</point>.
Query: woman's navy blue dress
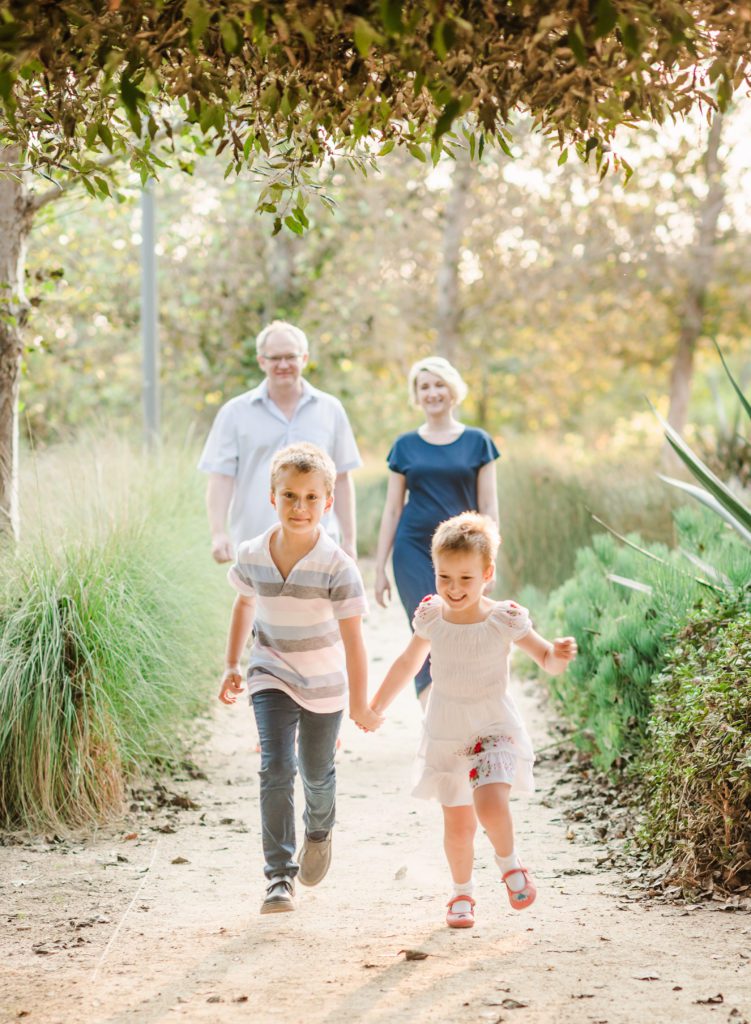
<point>442,482</point>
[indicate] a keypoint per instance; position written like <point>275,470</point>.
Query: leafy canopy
<point>288,83</point>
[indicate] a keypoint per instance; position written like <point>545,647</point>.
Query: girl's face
<point>460,578</point>
<point>432,393</point>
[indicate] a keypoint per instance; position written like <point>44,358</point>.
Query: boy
<point>303,597</point>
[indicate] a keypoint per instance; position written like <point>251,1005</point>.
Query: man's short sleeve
<point>220,454</point>
<point>345,454</point>
<point>347,591</point>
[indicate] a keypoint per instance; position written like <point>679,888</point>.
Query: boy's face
<point>300,500</point>
<point>460,577</point>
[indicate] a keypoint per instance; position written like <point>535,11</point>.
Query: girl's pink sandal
<point>460,918</point>
<point>521,898</point>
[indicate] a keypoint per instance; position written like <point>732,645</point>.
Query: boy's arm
<point>406,667</point>
<point>552,657</point>
<point>240,625</point>
<point>357,674</point>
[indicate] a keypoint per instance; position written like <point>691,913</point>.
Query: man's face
<point>281,359</point>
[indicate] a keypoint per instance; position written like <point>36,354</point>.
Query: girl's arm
<point>406,667</point>
<point>487,491</point>
<point>357,674</point>
<point>392,513</point>
<point>552,657</point>
<point>240,625</point>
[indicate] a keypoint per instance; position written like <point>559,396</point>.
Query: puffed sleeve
<point>427,612</point>
<point>511,620</point>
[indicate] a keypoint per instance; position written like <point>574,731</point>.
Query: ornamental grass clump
<point>697,775</point>
<point>107,643</point>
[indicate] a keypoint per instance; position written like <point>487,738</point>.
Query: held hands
<point>564,648</point>
<point>232,685</point>
<point>366,719</point>
<point>382,589</point>
<point>221,548</point>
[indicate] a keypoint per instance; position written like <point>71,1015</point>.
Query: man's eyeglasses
<point>290,357</point>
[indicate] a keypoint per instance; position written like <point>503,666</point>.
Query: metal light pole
<point>149,317</point>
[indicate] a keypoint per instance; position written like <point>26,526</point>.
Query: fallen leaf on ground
<point>647,975</point>
<point>179,860</point>
<point>711,1000</point>
<point>131,835</point>
<point>413,954</point>
<point>240,999</point>
<point>401,872</point>
<point>513,1004</point>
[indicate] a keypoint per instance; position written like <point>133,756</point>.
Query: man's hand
<point>564,648</point>
<point>366,719</point>
<point>221,548</point>
<point>232,685</point>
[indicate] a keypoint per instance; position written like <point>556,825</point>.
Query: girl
<point>446,468</point>
<point>474,746</point>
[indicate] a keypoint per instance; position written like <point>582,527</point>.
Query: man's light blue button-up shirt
<point>250,429</point>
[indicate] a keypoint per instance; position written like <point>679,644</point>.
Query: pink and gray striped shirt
<point>297,646</point>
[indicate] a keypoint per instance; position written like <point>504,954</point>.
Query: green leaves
<point>391,15</point>
<point>199,14</point>
<point>605,19</point>
<point>446,118</point>
<point>365,36</point>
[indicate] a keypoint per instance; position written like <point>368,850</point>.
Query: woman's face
<point>433,394</point>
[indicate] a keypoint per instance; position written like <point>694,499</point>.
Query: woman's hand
<point>382,588</point>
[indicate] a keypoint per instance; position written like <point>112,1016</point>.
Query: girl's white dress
<point>472,730</point>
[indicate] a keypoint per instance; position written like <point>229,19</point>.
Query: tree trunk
<point>701,262</point>
<point>15,224</point>
<point>280,272</point>
<point>448,307</point>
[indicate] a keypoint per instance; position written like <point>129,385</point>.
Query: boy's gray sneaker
<point>314,859</point>
<point>279,893</point>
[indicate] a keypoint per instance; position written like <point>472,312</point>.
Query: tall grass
<point>111,625</point>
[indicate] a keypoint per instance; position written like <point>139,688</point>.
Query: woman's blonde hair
<point>441,368</point>
<point>469,531</point>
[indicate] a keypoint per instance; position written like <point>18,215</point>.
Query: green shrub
<point>624,634</point>
<point>108,636</point>
<point>697,775</point>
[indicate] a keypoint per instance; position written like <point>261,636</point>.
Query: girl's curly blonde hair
<point>469,531</point>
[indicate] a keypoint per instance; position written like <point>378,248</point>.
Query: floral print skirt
<point>490,760</point>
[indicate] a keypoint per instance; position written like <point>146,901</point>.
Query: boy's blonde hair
<point>441,368</point>
<point>469,531</point>
<point>305,458</point>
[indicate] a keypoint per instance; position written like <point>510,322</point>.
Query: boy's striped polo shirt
<point>297,646</point>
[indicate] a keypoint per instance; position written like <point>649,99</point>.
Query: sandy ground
<point>157,919</point>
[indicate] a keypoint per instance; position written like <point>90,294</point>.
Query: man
<point>250,429</point>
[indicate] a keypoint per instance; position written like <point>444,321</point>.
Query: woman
<point>446,468</point>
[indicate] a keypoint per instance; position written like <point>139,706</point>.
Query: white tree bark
<point>15,224</point>
<point>448,305</point>
<point>700,267</point>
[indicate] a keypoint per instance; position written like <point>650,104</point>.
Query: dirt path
<point>164,926</point>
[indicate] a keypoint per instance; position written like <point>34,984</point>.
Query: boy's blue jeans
<point>280,720</point>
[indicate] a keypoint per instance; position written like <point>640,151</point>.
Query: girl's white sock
<point>464,888</point>
<point>516,880</point>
